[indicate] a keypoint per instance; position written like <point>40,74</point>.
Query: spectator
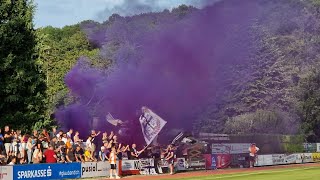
<point>23,147</point>
<point>30,147</point>
<point>7,140</point>
<point>104,137</point>
<point>89,142</point>
<point>61,150</point>
<point>35,133</point>
<point>37,155</point>
<point>60,134</point>
<point>113,160</point>
<point>170,158</point>
<point>88,156</point>
<point>46,136</point>
<point>94,141</point>
<point>253,149</point>
<point>134,153</point>
<point>103,154</point>
<point>69,133</point>
<point>76,138</point>
<point>69,143</point>
<point>15,141</point>
<point>50,155</point>
<point>53,132</point>
<point>64,138</point>
<point>70,155</point>
<point>1,141</point>
<point>40,143</point>
<point>79,154</point>
<point>53,142</point>
<point>13,160</point>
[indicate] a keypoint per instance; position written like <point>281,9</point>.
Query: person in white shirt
<point>89,142</point>
<point>253,149</point>
<point>69,135</point>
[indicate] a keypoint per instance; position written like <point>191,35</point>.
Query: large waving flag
<point>151,125</point>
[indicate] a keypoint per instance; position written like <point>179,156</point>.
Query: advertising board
<point>222,160</point>
<point>316,157</point>
<point>307,158</point>
<point>230,148</point>
<point>264,160</point>
<point>47,171</point>
<point>310,147</point>
<point>180,164</point>
<point>6,172</point>
<point>95,169</point>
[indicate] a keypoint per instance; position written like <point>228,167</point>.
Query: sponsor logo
<point>35,173</point>
<point>93,168</point>
<point>90,168</point>
<point>69,173</point>
<point>3,175</point>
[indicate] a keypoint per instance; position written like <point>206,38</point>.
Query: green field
<point>310,173</point>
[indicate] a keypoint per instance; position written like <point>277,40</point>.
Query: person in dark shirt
<point>79,154</point>
<point>70,155</point>
<point>60,149</point>
<point>94,141</point>
<point>134,152</point>
<point>39,143</point>
<point>170,158</point>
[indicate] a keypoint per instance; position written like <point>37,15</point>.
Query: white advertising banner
<point>230,148</point>
<point>307,157</point>
<point>278,159</point>
<point>264,160</point>
<point>318,147</point>
<point>95,169</point>
<point>129,165</point>
<point>6,172</point>
<point>180,164</point>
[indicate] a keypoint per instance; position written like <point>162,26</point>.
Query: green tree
<point>60,49</point>
<point>22,86</point>
<point>310,105</point>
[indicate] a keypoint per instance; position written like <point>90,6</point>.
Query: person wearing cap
<point>253,149</point>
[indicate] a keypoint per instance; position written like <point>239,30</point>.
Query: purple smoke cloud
<point>173,66</point>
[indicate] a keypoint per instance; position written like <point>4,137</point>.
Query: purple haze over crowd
<point>174,67</point>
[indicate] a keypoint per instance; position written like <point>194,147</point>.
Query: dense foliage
<point>59,50</point>
<point>22,86</point>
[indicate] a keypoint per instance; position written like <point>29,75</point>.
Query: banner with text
<point>47,171</point>
<point>230,148</point>
<point>95,169</point>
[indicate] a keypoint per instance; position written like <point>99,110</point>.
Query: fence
<point>144,166</point>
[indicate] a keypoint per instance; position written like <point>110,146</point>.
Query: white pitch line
<point>255,173</point>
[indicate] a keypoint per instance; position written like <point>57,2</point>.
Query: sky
<point>59,13</point>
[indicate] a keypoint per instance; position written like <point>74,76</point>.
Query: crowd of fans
<point>64,147</point>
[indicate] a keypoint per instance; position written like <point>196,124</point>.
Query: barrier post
<point>120,167</point>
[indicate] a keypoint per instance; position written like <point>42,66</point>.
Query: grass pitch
<point>302,173</point>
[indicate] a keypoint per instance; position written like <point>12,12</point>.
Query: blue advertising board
<point>47,171</point>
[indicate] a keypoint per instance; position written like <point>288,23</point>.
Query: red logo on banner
<point>223,160</point>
